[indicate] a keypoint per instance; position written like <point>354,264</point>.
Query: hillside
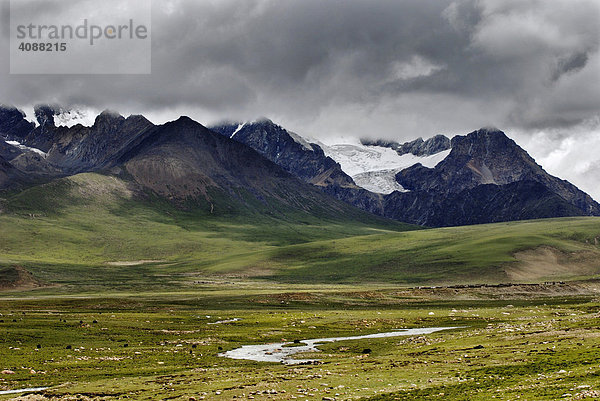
<point>60,230</point>
<point>182,160</point>
<point>81,223</point>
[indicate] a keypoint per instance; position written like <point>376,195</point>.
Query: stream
<point>283,353</point>
<point>23,390</point>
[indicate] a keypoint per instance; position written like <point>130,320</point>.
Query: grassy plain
<point>527,343</point>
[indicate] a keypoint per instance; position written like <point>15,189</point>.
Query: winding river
<point>283,352</point>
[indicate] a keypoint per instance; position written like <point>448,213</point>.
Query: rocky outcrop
<point>13,125</point>
<point>418,147</point>
<point>80,148</point>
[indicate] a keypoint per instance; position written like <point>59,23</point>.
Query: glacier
<point>374,167</point>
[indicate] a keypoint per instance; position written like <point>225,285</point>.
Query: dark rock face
<point>8,152</point>
<point>79,148</point>
<point>70,150</point>
<point>487,203</point>
<point>44,113</point>
<point>418,147</point>
<point>43,136</point>
<point>13,125</point>
<point>5,169</point>
<point>35,165</point>
<point>304,160</point>
<point>482,157</point>
<point>359,197</point>
<point>10,177</point>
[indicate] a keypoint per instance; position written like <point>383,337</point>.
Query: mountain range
<point>261,167</point>
<point>481,177</point>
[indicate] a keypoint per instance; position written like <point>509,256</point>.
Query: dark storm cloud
<point>392,68</point>
<point>572,63</point>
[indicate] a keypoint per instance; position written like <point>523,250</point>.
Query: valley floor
<point>527,342</point>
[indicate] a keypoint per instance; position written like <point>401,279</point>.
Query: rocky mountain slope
<point>296,155</point>
<point>47,150</point>
<point>489,157</point>
<point>351,166</point>
<point>184,160</point>
<point>7,173</point>
<point>486,177</point>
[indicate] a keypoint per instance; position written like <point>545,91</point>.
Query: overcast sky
<point>346,68</point>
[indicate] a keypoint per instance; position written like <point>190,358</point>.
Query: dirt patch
<point>548,263</point>
<point>16,278</point>
<point>134,262</point>
<point>93,187</point>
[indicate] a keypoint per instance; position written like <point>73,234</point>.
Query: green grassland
<point>77,232</point>
<point>161,346</point>
<point>115,295</point>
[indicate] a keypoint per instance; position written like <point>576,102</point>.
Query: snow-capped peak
<point>70,118</point>
<point>63,117</point>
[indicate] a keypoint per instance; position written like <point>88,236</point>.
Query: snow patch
<point>374,167</point>
<point>235,319</point>
<point>23,390</point>
<point>70,118</point>
<point>30,115</point>
<point>30,149</point>
<point>382,181</point>
<point>237,130</point>
<point>356,159</point>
